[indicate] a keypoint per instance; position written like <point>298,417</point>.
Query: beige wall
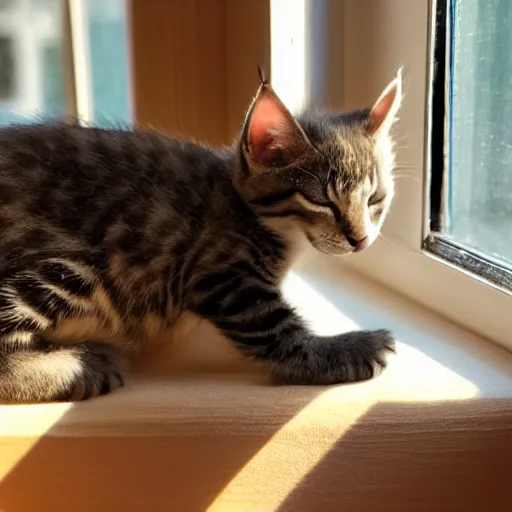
<point>194,63</point>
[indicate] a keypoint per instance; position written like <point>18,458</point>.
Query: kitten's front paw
<point>364,354</point>
<point>350,357</point>
<point>102,371</point>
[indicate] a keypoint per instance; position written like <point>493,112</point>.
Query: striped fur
<point>107,237</point>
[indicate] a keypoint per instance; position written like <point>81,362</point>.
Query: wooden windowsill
<point>430,433</point>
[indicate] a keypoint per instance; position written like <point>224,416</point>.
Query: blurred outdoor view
<point>31,60</point>
<point>480,191</point>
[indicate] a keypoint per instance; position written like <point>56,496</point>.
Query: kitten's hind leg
<point>33,301</point>
<point>45,372</point>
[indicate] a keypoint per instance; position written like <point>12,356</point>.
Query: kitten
<point>109,236</point>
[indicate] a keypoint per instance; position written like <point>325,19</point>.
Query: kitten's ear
<point>271,135</point>
<point>384,110</point>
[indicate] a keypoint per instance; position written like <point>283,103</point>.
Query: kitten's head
<point>328,176</point>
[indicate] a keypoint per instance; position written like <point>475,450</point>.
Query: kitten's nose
<point>358,245</point>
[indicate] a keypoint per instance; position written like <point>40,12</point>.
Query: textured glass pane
<point>108,61</point>
<point>31,84</point>
<point>481,128</point>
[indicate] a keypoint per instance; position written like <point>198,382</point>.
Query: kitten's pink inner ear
<point>385,109</point>
<point>273,134</point>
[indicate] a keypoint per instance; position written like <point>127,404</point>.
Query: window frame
<point>14,98</point>
<point>75,62</point>
<point>402,260</point>
<point>435,241</point>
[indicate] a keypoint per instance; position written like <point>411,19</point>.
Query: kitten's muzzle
<point>358,245</point>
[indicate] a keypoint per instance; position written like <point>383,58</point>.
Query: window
<point>101,51</point>
<point>109,60</point>
<point>445,243</point>
<point>471,185</point>
<point>7,72</point>
<point>61,58</point>
<point>30,84</point>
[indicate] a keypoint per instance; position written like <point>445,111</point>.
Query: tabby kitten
<point>107,237</point>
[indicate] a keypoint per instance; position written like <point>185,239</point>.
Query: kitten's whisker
<point>390,241</point>
<point>311,174</point>
<point>397,148</point>
<point>404,176</point>
<point>399,139</point>
<point>408,165</point>
<point>386,239</point>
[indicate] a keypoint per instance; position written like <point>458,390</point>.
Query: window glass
<point>31,83</point>
<point>480,133</point>
<point>108,61</point>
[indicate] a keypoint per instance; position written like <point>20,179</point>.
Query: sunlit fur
<point>109,238</point>
<point>344,186</point>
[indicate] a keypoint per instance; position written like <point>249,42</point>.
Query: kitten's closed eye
<point>376,199</point>
<point>376,206</point>
<point>314,206</point>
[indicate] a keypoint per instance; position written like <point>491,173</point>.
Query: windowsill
<point>437,418</point>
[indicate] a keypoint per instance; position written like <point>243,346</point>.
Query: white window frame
<point>402,39</point>
<point>77,63</point>
<point>77,67</point>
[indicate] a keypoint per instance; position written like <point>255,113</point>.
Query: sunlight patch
<point>22,426</point>
<point>291,454</point>
<point>412,376</point>
<point>320,313</point>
